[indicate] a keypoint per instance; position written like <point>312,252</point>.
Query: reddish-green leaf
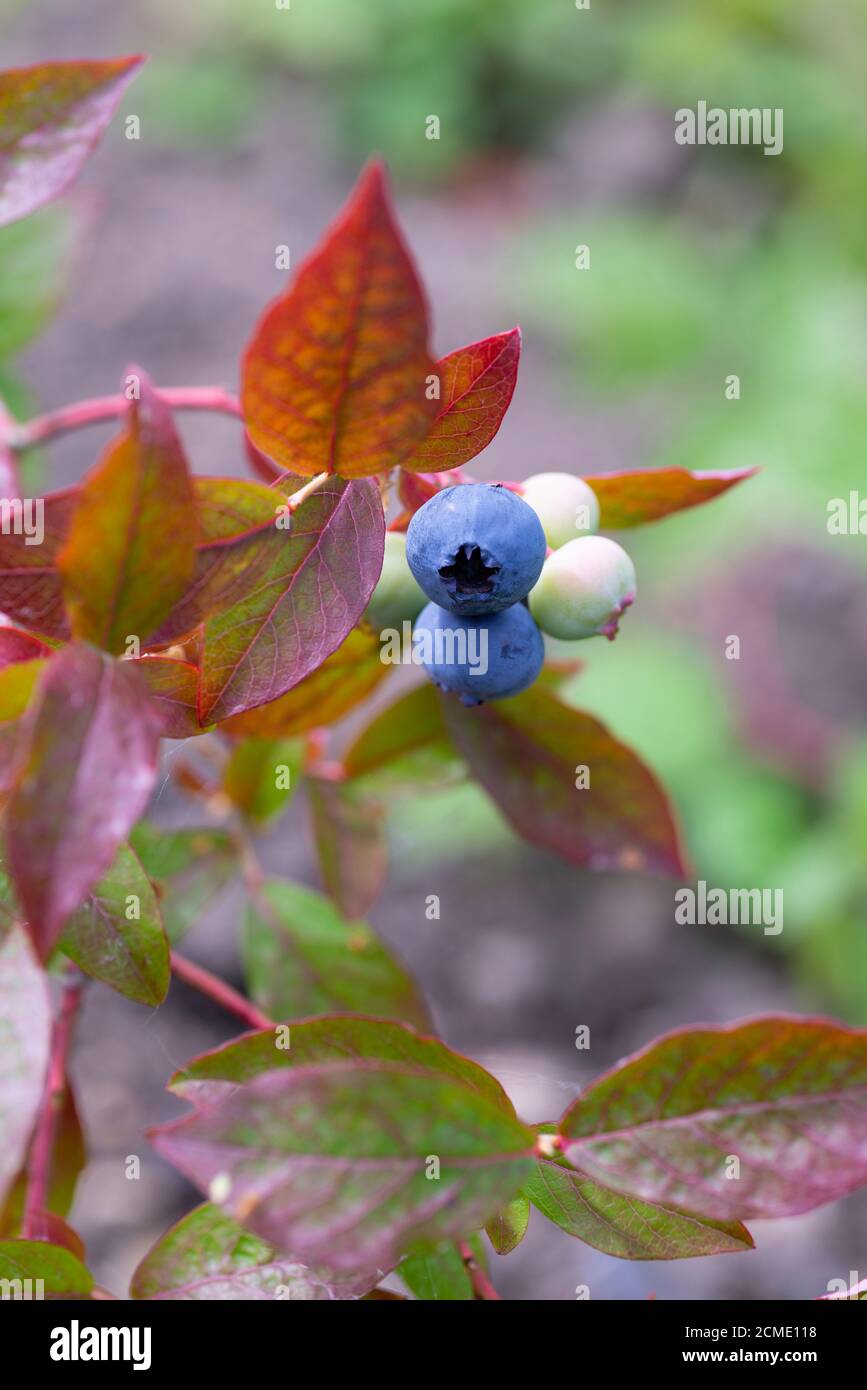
<point>346,678</point>
<point>507,1229</point>
<point>631,499</point>
<point>51,116</point>
<point>208,1078</point>
<point>25,1027</point>
<point>89,767</point>
<point>526,753</point>
<point>131,548</point>
<point>302,957</point>
<point>117,935</point>
<point>625,1226</point>
<point>476,386</point>
<point>336,376</point>
<point>16,646</point>
<point>208,1257</point>
<point>62,1275</point>
<point>351,846</point>
<point>262,774</point>
<point>437,1274</point>
<point>353,1162</point>
<point>766,1118</point>
<point>309,593</point>
<point>174,686</point>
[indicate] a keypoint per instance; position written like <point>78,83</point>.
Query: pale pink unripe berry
<point>583,589</point>
<point>565,505</point>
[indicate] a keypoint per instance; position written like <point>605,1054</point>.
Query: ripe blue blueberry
<point>475,548</point>
<point>483,658</point>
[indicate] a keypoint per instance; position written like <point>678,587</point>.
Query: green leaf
<point>63,1275</point>
<point>25,1032</point>
<point>509,1226</point>
<point>626,1226</point>
<point>350,842</point>
<point>128,952</point>
<point>35,261</point>
<point>301,958</point>
<point>437,1273</point>
<point>405,747</point>
<point>208,1257</point>
<point>188,867</point>
<point>765,1118</point>
<point>208,1078</point>
<point>261,775</point>
<point>353,1162</point>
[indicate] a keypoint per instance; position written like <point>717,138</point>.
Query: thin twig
<point>198,978</point>
<point>296,498</point>
<point>45,1133</point>
<point>101,408</point>
<point>482,1286</point>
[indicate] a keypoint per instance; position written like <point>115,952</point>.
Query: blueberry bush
<point>337,1140</point>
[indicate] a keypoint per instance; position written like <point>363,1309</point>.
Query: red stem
<point>45,1133</point>
<point>482,1286</point>
<point>197,977</point>
<point>91,412</point>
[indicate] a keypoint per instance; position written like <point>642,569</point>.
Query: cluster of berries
<point>478,552</point>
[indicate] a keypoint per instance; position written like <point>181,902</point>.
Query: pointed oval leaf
<point>29,577</point>
<point>332,1161</point>
<point>477,383</point>
<point>131,548</point>
<point>309,594</point>
<point>625,1226</point>
<point>207,1257</point>
<point>405,747</point>
<point>88,770</point>
<point>129,953</point>
<point>311,1040</point>
<point>189,867</point>
<point>525,752</point>
<point>633,498</point>
<point>51,116</point>
<point>785,1097</point>
<point>261,776</point>
<point>302,957</point>
<point>25,1028</point>
<point>343,680</point>
<point>335,378</point>
<point>61,1273</point>
<point>507,1229</point>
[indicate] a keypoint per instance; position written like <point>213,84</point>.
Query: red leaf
<point>16,645</point>
<point>785,1097</point>
<point>478,383</point>
<point>631,499</point>
<point>51,116</point>
<point>525,752</point>
<point>414,489</point>
<point>87,775</point>
<point>335,377</point>
<point>131,548</point>
<point>312,586</point>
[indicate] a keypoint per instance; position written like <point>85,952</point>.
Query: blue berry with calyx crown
<point>475,548</point>
<point>488,657</point>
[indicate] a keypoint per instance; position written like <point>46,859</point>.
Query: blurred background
<point>556,130</point>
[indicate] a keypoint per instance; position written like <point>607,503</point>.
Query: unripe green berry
<point>396,598</point>
<point>583,589</point>
<point>567,508</point>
